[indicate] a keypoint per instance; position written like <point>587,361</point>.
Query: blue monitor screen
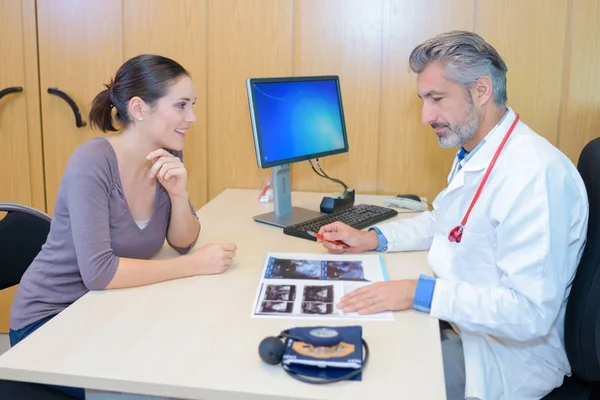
<point>296,119</point>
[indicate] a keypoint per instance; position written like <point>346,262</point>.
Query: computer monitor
<point>294,119</point>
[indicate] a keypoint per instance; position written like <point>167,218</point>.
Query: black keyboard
<point>359,217</point>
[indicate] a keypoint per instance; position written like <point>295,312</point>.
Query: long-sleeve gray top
<point>91,228</point>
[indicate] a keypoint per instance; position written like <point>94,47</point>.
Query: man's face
<point>447,107</point>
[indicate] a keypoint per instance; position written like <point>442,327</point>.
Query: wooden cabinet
<point>21,161</point>
<point>81,44</point>
<point>80,48</point>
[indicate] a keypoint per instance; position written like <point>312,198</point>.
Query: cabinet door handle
<point>13,89</point>
<point>78,120</point>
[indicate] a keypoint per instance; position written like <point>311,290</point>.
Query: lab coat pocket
<point>474,260</point>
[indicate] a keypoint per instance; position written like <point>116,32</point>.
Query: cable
<point>324,175</point>
<point>316,172</point>
<point>328,177</point>
<point>428,204</point>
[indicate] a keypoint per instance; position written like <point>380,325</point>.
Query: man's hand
<point>379,297</point>
<point>357,241</point>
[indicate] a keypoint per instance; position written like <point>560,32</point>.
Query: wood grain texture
<point>21,164</point>
<point>176,29</point>
<point>32,98</point>
<point>246,39</point>
<point>6,299</point>
<point>580,120</point>
<point>80,48</point>
<point>15,180</point>
<point>530,37</point>
<point>410,159</point>
<point>21,169</point>
<point>551,48</point>
<point>341,37</point>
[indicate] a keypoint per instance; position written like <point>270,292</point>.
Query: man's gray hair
<point>465,57</point>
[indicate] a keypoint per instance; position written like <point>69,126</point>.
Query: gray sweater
<point>91,228</point>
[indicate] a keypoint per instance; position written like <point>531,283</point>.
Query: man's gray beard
<point>463,132</point>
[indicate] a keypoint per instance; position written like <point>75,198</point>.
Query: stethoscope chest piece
<point>455,235</point>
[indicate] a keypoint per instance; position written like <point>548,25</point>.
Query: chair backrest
<point>582,319</point>
<point>23,232</point>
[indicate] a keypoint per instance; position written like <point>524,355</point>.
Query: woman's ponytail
<point>101,112</point>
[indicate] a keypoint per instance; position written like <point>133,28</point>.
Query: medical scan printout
<point>299,285</point>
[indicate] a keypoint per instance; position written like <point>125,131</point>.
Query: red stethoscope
<point>455,235</point>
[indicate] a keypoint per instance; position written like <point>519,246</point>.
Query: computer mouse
<point>409,196</point>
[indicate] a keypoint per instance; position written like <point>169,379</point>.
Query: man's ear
<point>483,91</point>
<point>137,108</point>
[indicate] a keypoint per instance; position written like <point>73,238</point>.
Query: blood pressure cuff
<point>324,352</point>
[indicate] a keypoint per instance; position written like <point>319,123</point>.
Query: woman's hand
<point>213,258</point>
<point>169,171</point>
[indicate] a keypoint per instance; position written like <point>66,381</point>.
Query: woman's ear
<point>137,108</point>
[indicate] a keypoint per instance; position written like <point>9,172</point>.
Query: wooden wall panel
<point>21,165</point>
<point>551,49</point>
<point>14,186</point>
<point>343,37</point>
<point>580,119</point>
<point>246,39</point>
<point>530,37</point>
<point>410,159</point>
<point>32,98</point>
<point>155,26</point>
<point>14,182</point>
<point>80,48</point>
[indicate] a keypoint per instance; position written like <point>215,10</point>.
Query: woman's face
<point>168,121</point>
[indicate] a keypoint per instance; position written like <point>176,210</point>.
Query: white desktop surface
<point>195,338</point>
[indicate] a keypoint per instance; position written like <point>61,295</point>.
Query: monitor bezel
<point>256,131</point>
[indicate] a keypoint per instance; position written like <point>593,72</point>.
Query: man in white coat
<point>504,259</point>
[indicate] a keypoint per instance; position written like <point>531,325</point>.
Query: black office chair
<point>23,231</point>
<point>582,319</point>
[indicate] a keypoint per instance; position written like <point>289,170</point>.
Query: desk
<point>195,338</point>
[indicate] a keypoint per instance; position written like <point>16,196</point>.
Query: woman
<point>120,198</point>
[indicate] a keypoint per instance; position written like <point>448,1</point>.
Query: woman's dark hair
<point>147,76</point>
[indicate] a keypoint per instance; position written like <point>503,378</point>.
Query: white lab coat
<point>505,286</point>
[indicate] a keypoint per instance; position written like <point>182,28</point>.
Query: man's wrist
<point>372,240</point>
<point>382,242</point>
<point>413,290</point>
<point>423,293</point>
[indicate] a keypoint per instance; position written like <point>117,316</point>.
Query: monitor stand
<point>284,214</point>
